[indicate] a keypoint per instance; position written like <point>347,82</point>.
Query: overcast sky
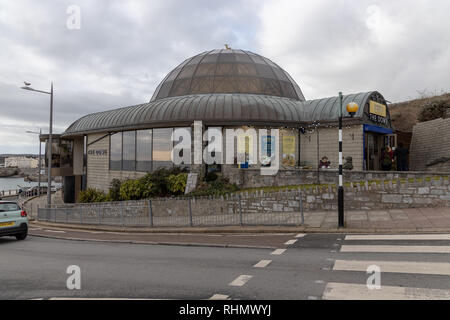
<point>123,49</point>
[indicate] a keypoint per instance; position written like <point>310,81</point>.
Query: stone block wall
<point>430,141</point>
<point>392,194</point>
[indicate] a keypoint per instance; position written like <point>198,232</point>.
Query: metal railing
<point>283,208</point>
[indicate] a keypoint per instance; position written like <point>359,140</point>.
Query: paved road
<point>312,266</point>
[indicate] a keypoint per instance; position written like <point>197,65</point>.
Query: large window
<point>115,155</point>
<point>144,150</point>
<point>162,148</point>
<point>129,151</point>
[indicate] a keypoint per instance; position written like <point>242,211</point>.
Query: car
<point>13,220</point>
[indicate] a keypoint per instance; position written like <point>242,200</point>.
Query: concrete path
<point>412,220</point>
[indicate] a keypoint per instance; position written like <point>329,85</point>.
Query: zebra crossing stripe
<point>435,268</point>
<point>399,237</point>
<point>350,291</point>
<point>395,249</point>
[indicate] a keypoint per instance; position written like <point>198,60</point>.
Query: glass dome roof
<point>228,71</point>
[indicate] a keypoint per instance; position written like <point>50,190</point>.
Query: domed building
<point>223,89</point>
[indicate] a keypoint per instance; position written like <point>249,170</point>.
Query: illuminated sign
<point>378,109</point>
<point>377,112</point>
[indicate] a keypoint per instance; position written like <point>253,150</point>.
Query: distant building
<point>21,162</point>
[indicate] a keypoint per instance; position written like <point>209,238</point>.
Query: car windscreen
<point>4,207</point>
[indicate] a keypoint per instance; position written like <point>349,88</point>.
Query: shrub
<point>114,190</point>
<point>433,110</point>
<point>134,190</point>
<point>211,176</point>
<point>176,183</point>
<point>217,187</point>
<point>92,195</point>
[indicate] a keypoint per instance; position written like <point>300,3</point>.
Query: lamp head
<point>352,108</point>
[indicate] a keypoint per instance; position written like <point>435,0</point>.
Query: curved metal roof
<point>219,109</point>
<point>228,71</point>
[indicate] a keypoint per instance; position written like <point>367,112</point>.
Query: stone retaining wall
<point>401,193</point>
<point>252,178</point>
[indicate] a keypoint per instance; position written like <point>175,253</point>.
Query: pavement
<point>305,267</point>
<point>423,220</point>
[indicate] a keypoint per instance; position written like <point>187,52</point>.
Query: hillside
<point>404,114</point>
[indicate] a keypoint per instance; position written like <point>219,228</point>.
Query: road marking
<point>300,235</point>
<point>240,281</point>
<point>34,229</point>
<point>399,237</point>
<point>349,291</point>
<point>278,251</point>
<point>396,249</point>
<point>262,264</point>
<point>55,231</point>
<point>312,298</point>
<point>319,281</point>
<point>438,268</point>
<point>289,242</point>
<point>219,297</point>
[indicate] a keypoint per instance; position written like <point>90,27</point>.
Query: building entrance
<point>375,144</point>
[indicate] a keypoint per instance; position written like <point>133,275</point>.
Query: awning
<point>371,128</point>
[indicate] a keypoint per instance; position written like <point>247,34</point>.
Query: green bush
<point>135,189</point>
<point>114,190</point>
<point>176,183</point>
<point>92,195</point>
<point>160,181</point>
<point>217,187</point>
<point>211,176</point>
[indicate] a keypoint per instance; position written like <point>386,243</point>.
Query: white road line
<point>33,229</point>
<point>240,281</point>
<point>262,264</point>
<point>300,235</point>
<point>396,249</point>
<point>399,237</point>
<point>438,268</point>
<point>219,297</point>
<point>55,231</point>
<point>349,291</point>
<point>278,251</point>
<point>289,242</point>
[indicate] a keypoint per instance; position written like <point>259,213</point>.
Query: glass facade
<point>162,148</point>
<point>144,150</point>
<point>115,154</point>
<point>129,151</point>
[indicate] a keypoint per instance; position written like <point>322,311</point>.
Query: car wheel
<point>21,236</point>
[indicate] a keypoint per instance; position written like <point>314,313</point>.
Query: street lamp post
<point>341,187</point>
<point>352,108</point>
<point>40,160</point>
<point>49,176</point>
